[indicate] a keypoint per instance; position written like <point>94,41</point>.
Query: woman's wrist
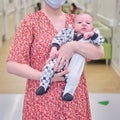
<point>73,46</point>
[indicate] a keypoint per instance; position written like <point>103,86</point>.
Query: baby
<point>83,32</point>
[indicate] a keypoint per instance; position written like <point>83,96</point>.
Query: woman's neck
<point>56,16</point>
<point>52,12</point>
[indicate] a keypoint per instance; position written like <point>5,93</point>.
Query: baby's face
<point>83,23</point>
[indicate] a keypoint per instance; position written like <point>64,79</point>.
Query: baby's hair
<point>87,13</point>
<point>84,12</point>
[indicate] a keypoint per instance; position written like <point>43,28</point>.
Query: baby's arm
<point>97,39</point>
<point>64,36</point>
<point>59,39</point>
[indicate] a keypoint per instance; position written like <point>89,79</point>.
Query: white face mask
<point>55,3</point>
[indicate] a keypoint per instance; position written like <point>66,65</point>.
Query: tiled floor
<point>100,111</point>
<point>11,106</point>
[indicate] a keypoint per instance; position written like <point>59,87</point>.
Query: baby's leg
<point>76,67</point>
<point>46,76</point>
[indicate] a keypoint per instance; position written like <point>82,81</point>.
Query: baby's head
<point>83,23</point>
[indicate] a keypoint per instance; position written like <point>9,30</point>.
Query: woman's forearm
<point>28,72</point>
<point>88,50</point>
<point>23,70</point>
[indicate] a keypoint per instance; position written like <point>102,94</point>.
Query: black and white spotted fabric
<point>66,35</point>
<point>47,74</point>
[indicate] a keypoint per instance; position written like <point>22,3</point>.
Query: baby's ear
<point>93,28</point>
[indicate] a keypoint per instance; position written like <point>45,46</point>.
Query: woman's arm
<point>88,50</point>
<point>24,70</point>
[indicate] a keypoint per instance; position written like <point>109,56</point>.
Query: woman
<point>29,51</point>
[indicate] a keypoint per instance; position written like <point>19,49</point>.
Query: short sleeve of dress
<point>20,47</point>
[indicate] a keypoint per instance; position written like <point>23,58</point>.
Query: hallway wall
<point>11,14</point>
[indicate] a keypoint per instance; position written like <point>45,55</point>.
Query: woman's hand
<point>59,76</point>
<point>53,52</point>
<point>64,55</point>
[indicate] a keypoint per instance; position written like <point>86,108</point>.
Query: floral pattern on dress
<point>31,46</point>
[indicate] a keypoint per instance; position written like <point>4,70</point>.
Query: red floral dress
<point>31,46</point>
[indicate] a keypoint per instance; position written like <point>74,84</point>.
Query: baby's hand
<point>88,34</point>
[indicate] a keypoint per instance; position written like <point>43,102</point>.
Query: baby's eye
<point>79,22</point>
<point>87,22</point>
